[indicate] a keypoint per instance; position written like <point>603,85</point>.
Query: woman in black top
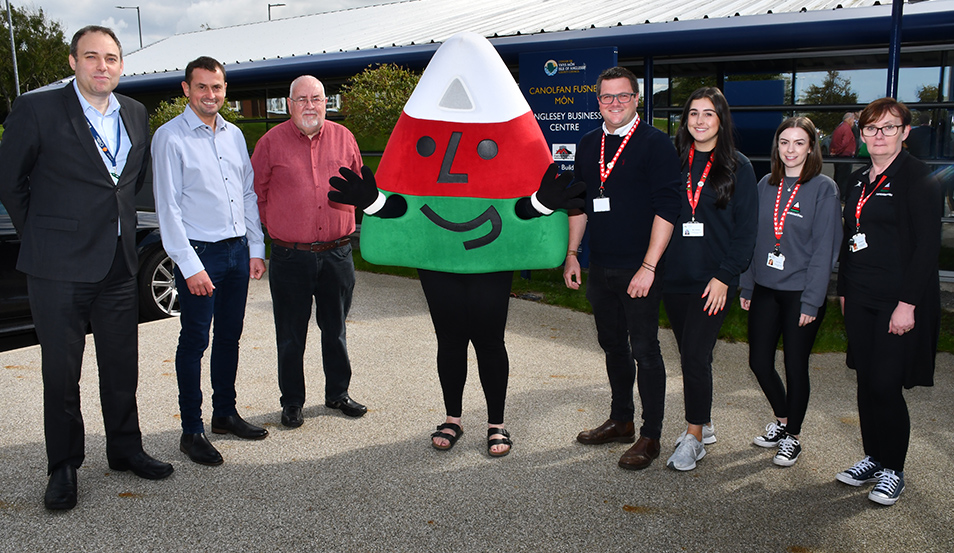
<point>889,291</point>
<point>711,245</point>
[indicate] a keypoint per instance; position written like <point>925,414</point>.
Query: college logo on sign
<point>551,67</point>
<point>564,152</point>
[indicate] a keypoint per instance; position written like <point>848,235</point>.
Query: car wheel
<point>158,297</point>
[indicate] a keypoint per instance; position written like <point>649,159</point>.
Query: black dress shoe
<point>236,425</point>
<point>347,406</point>
<point>198,448</point>
<point>291,416</point>
<point>61,489</point>
<point>143,466</point>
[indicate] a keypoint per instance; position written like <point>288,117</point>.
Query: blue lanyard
<point>105,149</point>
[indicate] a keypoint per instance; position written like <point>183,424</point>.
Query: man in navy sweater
<point>632,175</point>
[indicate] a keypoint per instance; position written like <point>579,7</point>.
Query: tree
<point>373,102</point>
<point>833,90</point>
<point>166,111</point>
<point>42,53</point>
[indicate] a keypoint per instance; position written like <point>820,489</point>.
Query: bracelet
<point>648,267</point>
<point>571,252</point>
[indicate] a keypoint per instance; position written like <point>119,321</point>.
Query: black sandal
<point>498,441</point>
<point>452,439</point>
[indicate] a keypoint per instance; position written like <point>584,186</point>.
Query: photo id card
<point>857,242</point>
<point>692,229</point>
<point>776,261</point>
<point>601,205</point>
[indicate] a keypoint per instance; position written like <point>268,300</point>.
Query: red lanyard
<point>694,199</point>
<point>780,223</point>
<point>605,170</point>
<point>862,200</point>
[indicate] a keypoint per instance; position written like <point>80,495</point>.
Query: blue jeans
<point>627,329</point>
<point>295,278</point>
<point>226,262</point>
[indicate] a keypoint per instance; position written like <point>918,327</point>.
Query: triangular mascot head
<point>465,149</point>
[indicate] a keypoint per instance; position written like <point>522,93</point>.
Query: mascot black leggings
<point>470,308</point>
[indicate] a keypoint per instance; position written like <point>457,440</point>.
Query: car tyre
<point>158,297</point>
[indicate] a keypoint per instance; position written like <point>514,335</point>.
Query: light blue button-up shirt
<point>106,125</point>
<point>202,181</point>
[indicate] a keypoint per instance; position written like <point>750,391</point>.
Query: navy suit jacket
<point>58,191</point>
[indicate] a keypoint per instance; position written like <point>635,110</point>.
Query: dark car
<point>157,291</point>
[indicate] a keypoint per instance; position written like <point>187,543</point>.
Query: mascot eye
<point>426,146</point>
<point>487,149</point>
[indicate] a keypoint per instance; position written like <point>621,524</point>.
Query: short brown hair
<point>203,62</point>
<point>617,73</point>
<point>876,110</point>
<point>74,44</point>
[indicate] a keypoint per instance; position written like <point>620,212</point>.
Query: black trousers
<point>61,313</point>
<point>774,314</point>
<point>696,333</point>
<point>879,364</point>
<point>470,308</point>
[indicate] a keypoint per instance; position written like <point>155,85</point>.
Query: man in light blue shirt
<point>208,216</point>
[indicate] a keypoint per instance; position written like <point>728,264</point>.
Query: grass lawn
<point>547,287</point>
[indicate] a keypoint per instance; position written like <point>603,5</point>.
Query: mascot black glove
<point>553,193</point>
<point>360,192</point>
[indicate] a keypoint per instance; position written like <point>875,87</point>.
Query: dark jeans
<point>696,333</point>
<point>295,279</point>
<point>470,308</point>
<point>879,364</point>
<point>61,312</point>
<point>774,314</point>
<point>627,329</point>
<point>226,262</point>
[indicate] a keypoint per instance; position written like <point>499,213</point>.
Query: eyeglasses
<point>887,130</point>
<point>623,97</point>
<point>317,100</point>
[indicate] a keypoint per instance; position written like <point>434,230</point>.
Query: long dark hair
<point>813,163</point>
<point>722,174</point>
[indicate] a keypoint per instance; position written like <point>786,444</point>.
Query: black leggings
<point>774,314</point>
<point>470,308</point>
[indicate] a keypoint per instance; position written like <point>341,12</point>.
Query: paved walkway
<point>375,484</point>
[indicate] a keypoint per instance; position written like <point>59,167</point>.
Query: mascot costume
<point>458,195</point>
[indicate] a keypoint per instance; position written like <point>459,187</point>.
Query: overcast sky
<point>164,18</point>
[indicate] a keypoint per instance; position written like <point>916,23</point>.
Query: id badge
<point>692,229</point>
<point>601,205</point>
<point>776,261</point>
<point>857,242</point>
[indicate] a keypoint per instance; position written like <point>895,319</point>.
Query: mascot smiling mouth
<point>490,214</point>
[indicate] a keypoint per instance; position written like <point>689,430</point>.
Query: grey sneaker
<point>889,487</point>
<point>708,435</point>
<point>863,472</point>
<point>788,450</point>
<point>774,432</point>
<point>689,451</point>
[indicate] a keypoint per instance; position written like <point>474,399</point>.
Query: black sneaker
<point>788,450</point>
<point>889,487</point>
<point>863,472</point>
<point>774,432</point>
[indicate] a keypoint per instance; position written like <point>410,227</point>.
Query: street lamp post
<point>13,50</point>
<point>138,20</point>
<point>270,6</point>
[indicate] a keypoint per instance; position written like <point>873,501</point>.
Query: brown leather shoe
<point>641,455</point>
<point>609,431</point>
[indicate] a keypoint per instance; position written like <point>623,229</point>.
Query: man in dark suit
<point>71,162</point>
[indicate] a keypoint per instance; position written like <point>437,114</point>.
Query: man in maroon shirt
<point>843,145</point>
<point>311,251</point>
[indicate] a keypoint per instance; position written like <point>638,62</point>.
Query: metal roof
<point>409,31</point>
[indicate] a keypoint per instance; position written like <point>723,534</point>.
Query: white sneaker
<point>687,453</point>
<point>774,432</point>
<point>788,450</point>
<point>708,435</point>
